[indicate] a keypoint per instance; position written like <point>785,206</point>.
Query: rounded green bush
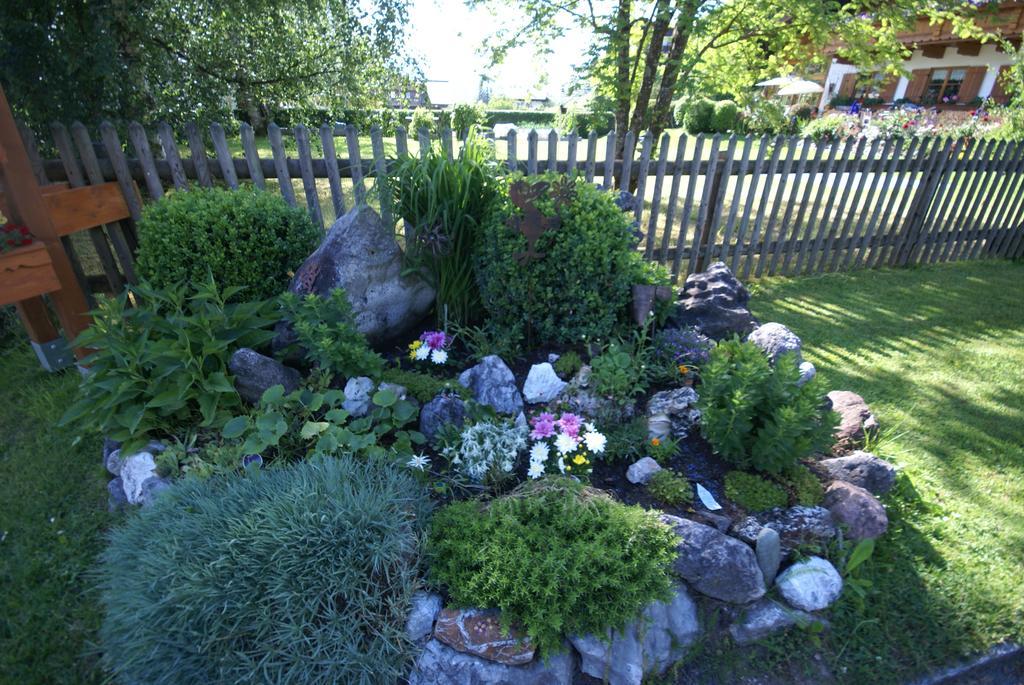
<point>422,118</point>
<point>301,574</point>
<point>725,117</point>
<point>246,238</point>
<point>753,492</point>
<point>556,558</point>
<point>579,287</point>
<point>699,116</point>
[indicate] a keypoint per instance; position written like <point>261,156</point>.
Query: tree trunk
<point>619,44</point>
<point>662,17</point>
<point>662,113</point>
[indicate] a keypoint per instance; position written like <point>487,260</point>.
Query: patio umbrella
<point>777,81</point>
<point>800,87</point>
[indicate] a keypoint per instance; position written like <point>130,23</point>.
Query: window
<point>870,88</point>
<point>943,86</point>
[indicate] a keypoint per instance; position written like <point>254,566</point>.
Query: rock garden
<point>489,444</point>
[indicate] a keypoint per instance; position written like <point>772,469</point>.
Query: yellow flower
<point>413,346</point>
<point>683,369</point>
<point>579,459</point>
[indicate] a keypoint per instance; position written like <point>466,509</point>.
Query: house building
<point>944,71</point>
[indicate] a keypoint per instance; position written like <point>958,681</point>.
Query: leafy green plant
<point>757,415</point>
<point>422,386</point>
<point>753,492</point>
<point>725,117</point>
<point>805,486</point>
<point>422,119</point>
<point>161,366</point>
<point>677,354</point>
<point>830,127</point>
<point>662,449</point>
<point>626,441</point>
<point>618,372</point>
<point>246,238</point>
<point>326,332</point>
<point>306,423</point>
<point>580,286</point>
<point>466,115</point>
<point>229,580</point>
<point>670,488</point>
<point>555,557</point>
<point>766,117</point>
<point>699,117</point>
<point>568,365</point>
<point>442,203</point>
<point>484,340</point>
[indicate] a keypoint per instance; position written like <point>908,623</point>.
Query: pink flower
<point>543,426</point>
<point>570,424</point>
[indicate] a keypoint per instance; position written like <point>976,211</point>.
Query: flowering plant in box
<point>431,345</point>
<point>12,236</point>
<point>567,443</point>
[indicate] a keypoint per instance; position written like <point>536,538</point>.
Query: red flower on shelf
<point>13,236</point>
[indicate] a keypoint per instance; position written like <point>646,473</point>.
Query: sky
<point>446,37</point>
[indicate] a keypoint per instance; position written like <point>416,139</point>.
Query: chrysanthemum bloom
<point>565,443</point>
<point>543,426</point>
<point>570,423</point>
<point>539,452</point>
<point>439,356</point>
<point>595,441</point>
<point>536,470</point>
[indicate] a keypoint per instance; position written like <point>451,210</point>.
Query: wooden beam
<point>26,272</point>
<point>35,317</point>
<point>28,208</point>
<point>969,47</point>
<point>76,209</point>
<point>933,51</point>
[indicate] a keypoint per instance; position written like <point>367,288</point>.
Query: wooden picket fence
<point>763,205</point>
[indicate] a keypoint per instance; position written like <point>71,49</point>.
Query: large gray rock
<point>116,499</point>
<point>862,469</point>
<point>671,413</point>
<point>113,462</point>
<point>812,584</point>
<point>715,303</point>
<point>151,489</point>
<point>422,614</point>
<point>716,565</point>
<point>358,392</point>
<point>647,646</point>
<point>439,664</point>
<point>768,550</point>
<point>798,526</point>
<point>856,421</point>
<point>775,340</point>
<point>360,254</point>
<point>542,384</point>
<point>642,471</point>
<point>136,470</point>
<point>767,617</point>
<point>446,408</point>
<point>856,510</point>
<point>492,383</point>
<point>254,373</point>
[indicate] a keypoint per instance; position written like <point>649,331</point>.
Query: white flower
<point>591,428</point>
<point>419,461</point>
<point>536,469</point>
<point>539,453</point>
<point>565,443</point>
<point>422,352</point>
<point>439,356</point>
<point>595,441</point>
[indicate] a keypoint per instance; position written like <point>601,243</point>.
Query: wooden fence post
<point>714,199</point>
<point>920,203</point>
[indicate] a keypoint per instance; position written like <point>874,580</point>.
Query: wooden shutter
<point>998,90</point>
<point>918,82</point>
<point>972,84</point>
<point>847,86</point>
<point>888,89</point>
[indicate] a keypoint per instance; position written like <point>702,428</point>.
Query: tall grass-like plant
<point>301,574</point>
<point>442,203</point>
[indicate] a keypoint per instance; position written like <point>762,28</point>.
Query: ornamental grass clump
<point>757,415</point>
<point>301,574</point>
<point>556,558</point>
<point>246,238</point>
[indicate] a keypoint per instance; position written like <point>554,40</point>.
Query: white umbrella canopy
<point>800,87</point>
<point>777,81</point>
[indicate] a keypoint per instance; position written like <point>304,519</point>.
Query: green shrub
<point>246,238</point>
<point>161,366</point>
<point>326,332</point>
<point>752,492</point>
<point>662,449</point>
<point>679,113</point>
<point>700,117</point>
<point>619,372</point>
<point>302,574</point>
<point>581,285</point>
<point>828,128</point>
<point>584,123</point>
<point>725,117</point>
<point>805,486</point>
<point>757,415</point>
<point>465,116</point>
<point>443,203</point>
<point>670,488</point>
<point>422,386</point>
<point>568,365</point>
<point>626,441</point>
<point>422,118</point>
<point>766,117</point>
<point>556,558</point>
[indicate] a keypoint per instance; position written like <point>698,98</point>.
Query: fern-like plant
<point>757,415</point>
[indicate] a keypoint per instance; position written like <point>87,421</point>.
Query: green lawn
<point>937,351</point>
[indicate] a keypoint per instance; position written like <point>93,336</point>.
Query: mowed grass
<point>937,351</point>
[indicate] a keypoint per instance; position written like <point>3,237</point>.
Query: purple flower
<point>435,340</point>
<point>543,426</point>
<point>570,424</point>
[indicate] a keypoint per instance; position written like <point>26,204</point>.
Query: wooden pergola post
<point>25,206</point>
